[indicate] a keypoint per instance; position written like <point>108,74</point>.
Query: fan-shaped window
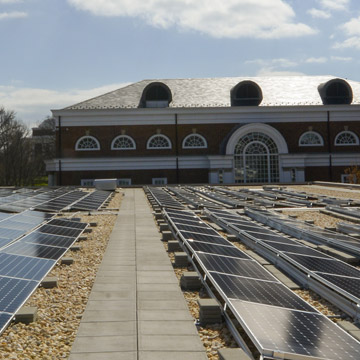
<point>311,138</point>
<point>159,142</point>
<point>246,93</point>
<point>123,142</point>
<point>87,143</point>
<point>336,91</point>
<point>194,141</point>
<point>156,95</point>
<point>346,138</point>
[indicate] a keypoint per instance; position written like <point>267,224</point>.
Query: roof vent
<point>335,91</point>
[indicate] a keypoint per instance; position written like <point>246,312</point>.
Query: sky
<point>55,53</point>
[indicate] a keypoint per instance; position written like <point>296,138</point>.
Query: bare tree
<point>18,165</point>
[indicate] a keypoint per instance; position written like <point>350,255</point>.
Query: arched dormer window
<point>346,138</point>
<point>158,141</point>
<point>123,142</point>
<point>311,138</point>
<point>246,93</point>
<point>194,141</point>
<point>336,91</point>
<point>87,143</point>
<point>156,95</point>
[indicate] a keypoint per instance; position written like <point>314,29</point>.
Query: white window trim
<point>127,181</point>
<point>314,132</point>
<point>346,131</point>
<point>87,136</point>
<point>194,147</point>
<point>162,180</point>
<point>158,148</point>
<point>123,136</point>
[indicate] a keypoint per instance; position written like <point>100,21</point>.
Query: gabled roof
<point>215,92</point>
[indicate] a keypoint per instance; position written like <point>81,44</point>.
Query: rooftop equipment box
<point>105,184</point>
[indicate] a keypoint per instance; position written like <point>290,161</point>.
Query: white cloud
<point>319,60</point>
<point>352,43</point>
<point>334,4</point>
<point>321,14</point>
<point>231,19</point>
<point>352,27</point>
<point>341,58</point>
<point>270,63</point>
<point>272,72</point>
<point>12,15</point>
<point>33,105</point>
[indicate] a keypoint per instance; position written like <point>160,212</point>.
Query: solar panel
<point>301,250</point>
<point>34,250</point>
<point>259,291</point>
<point>286,334</point>
<point>197,246</point>
<point>48,239</point>
<point>68,223</point>
<point>204,238</point>
<point>24,267</point>
<point>59,230</point>
<point>14,292</point>
<point>234,266</point>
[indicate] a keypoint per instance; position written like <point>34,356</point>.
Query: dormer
<point>246,93</point>
<point>335,91</point>
<point>156,95</point>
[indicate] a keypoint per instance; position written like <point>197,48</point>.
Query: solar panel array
<point>163,198</point>
<point>25,261</point>
<point>279,323</point>
<point>193,199</point>
<point>352,213</point>
<point>316,267</point>
<point>301,230</point>
<point>92,201</point>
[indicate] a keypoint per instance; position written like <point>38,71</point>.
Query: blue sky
<point>58,52</point>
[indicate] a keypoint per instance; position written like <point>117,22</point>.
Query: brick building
<point>220,130</point>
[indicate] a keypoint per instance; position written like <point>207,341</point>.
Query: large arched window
<point>256,159</point>
<point>336,91</point>
<point>346,138</point>
<point>246,93</point>
<point>194,141</point>
<point>311,138</point>
<point>158,141</point>
<point>87,143</point>
<point>123,142</point>
<point>156,95</point>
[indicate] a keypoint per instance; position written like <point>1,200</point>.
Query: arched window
<point>311,138</point>
<point>194,141</point>
<point>336,91</point>
<point>346,138</point>
<point>246,93</point>
<point>256,159</point>
<point>87,143</point>
<point>158,141</point>
<point>123,142</point>
<point>156,95</point>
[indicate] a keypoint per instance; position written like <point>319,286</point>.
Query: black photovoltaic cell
<point>38,214</point>
<point>216,249</point>
<point>302,250</point>
<point>48,239</point>
<point>4,242</point>
<point>68,223</point>
<point>191,222</point>
<point>232,266</point>
<point>295,332</point>
<point>59,230</point>
<point>15,225</point>
<point>325,265</point>
<point>205,238</point>
<point>177,217</point>
<point>40,251</point>
<point>24,267</point>
<point>264,292</point>
<point>351,285</point>
<point>276,238</point>
<point>14,292</point>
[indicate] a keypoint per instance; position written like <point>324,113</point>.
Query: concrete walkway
<point>136,309</point>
